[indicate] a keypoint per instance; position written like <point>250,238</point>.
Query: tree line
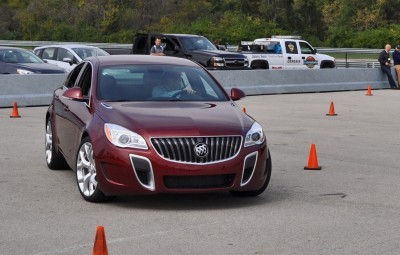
<point>331,23</point>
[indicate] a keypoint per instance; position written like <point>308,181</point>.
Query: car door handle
<point>303,57</point>
<point>289,58</point>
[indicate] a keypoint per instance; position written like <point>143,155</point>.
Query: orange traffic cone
<point>100,244</point>
<point>244,109</point>
<point>14,113</point>
<point>312,160</point>
<point>331,110</point>
<point>369,93</point>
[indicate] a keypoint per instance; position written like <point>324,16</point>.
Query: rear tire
<point>253,193</point>
<point>55,160</point>
<point>86,174</point>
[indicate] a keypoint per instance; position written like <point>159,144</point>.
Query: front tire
<point>86,174</point>
<point>253,193</point>
<point>55,160</point>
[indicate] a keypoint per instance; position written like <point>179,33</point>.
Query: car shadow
<point>203,201</point>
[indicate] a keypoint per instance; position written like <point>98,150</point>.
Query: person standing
<point>396,62</point>
<point>384,60</point>
<point>157,49</point>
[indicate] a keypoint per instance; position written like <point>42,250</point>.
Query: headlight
<point>122,137</point>
<point>217,61</point>
<point>255,135</point>
<point>246,61</point>
<point>23,71</point>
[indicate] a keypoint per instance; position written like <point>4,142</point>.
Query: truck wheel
<point>329,64</point>
<point>259,65</point>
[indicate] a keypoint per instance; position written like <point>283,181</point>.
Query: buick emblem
<point>201,150</point>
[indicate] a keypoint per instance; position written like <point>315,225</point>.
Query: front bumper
<point>129,171</point>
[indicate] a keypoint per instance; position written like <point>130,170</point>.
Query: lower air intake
<point>199,182</point>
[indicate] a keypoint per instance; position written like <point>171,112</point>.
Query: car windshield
<point>197,43</point>
<point>18,56</point>
<point>89,52</point>
<point>157,83</point>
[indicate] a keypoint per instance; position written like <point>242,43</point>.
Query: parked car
<point>20,61</point>
<point>111,125</point>
<point>67,56</point>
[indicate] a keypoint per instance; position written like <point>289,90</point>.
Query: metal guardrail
<point>115,48</point>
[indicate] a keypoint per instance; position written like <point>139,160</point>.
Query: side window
<point>49,53</point>
<point>73,75</point>
<point>63,53</point>
<point>305,48</point>
<point>291,47</point>
<point>85,81</point>
<point>37,52</point>
<point>168,45</point>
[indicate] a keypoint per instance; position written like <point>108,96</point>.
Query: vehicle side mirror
<point>68,60</point>
<point>177,48</point>
<point>74,94</point>
<point>314,51</point>
<point>237,94</point>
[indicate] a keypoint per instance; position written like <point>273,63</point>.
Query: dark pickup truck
<point>193,47</point>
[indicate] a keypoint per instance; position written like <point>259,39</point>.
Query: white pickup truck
<point>284,52</point>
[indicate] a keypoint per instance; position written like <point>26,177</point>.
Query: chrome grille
<point>182,149</point>
<point>234,62</point>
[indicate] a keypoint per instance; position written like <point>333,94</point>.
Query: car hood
<point>40,67</point>
<point>153,119</point>
<point>324,57</point>
<point>219,53</point>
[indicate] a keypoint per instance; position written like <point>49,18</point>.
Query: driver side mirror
<point>74,94</point>
<point>68,60</point>
<point>314,51</point>
<point>177,48</point>
<point>237,94</point>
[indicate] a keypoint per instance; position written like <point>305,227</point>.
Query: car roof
<point>141,59</point>
<point>69,46</point>
<point>12,48</point>
<point>183,35</point>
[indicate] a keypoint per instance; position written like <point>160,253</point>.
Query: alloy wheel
<point>86,170</point>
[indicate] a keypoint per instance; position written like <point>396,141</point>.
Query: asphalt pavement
<point>351,206</point>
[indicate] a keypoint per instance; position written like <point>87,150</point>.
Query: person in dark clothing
<point>384,60</point>
<point>396,62</point>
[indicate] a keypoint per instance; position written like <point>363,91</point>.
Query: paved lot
<point>351,206</point>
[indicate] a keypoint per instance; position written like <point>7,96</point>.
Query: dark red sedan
<point>146,125</point>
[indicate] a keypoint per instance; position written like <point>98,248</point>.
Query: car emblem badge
<point>201,150</point>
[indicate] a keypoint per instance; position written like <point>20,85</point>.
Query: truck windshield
<point>198,43</point>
